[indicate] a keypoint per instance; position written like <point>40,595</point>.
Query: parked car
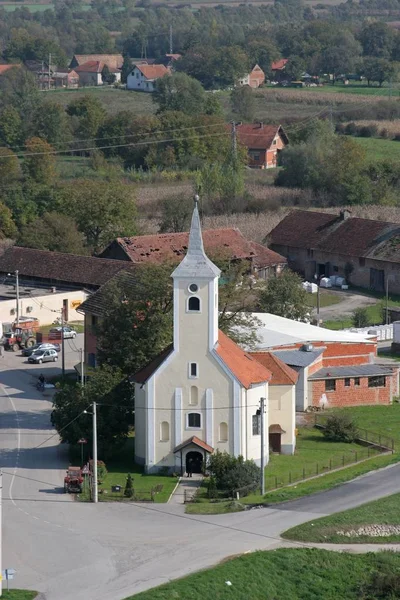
<point>55,333</point>
<point>32,349</point>
<point>41,356</point>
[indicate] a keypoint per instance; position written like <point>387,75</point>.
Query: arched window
<point>194,304</point>
<point>164,431</point>
<point>223,432</point>
<point>194,395</point>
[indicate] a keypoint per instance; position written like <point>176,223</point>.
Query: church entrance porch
<point>194,462</point>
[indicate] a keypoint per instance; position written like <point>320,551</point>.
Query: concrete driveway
<point>73,551</point>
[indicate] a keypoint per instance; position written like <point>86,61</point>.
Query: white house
<point>143,77</point>
<point>203,392</point>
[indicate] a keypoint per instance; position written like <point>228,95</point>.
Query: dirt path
<point>348,304</point>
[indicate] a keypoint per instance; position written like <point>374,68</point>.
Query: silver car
<point>55,333</point>
<point>41,356</point>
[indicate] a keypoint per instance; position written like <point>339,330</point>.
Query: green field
<point>380,149</point>
<point>114,99</point>
<point>380,512</point>
<point>284,574</point>
<point>325,299</point>
<point>356,88</point>
<point>374,313</point>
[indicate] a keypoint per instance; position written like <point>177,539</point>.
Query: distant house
<point>91,73</point>
<point>143,77</point>
<point>5,68</point>
<point>254,79</point>
<point>113,61</point>
<point>229,244</point>
<point>65,78</point>
<point>364,251</point>
<point>264,142</point>
<point>278,68</point>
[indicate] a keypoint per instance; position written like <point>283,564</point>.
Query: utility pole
<point>49,71</point>
<point>95,488</point>
<point>318,304</point>
<point>62,344</point>
<point>82,368</point>
<point>1,528</point>
<point>262,464</point>
<point>17,293</point>
<point>387,300</point>
<point>171,47</point>
<point>234,137</point>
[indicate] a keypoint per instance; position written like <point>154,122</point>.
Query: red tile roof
<point>259,136</point>
<point>153,71</point>
<point>172,247</point>
<point>243,366</point>
<point>197,442</point>
<point>280,64</point>
<point>5,68</point>
<point>333,233</point>
<point>94,66</point>
<point>282,374</point>
<point>114,61</point>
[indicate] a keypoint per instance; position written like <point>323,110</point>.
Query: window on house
<point>255,156</point>
<point>274,142</point>
<point>347,382</point>
<point>137,75</point>
<point>94,320</point>
<point>194,420</point>
<point>194,304</point>
<point>92,359</point>
<point>330,385</point>
<point>361,262</point>
<point>310,252</point>
<point>357,381</point>
<point>194,395</point>
<point>223,432</point>
<point>378,381</point>
<point>164,431</point>
<point>335,269</point>
<point>193,369</point>
<point>256,424</point>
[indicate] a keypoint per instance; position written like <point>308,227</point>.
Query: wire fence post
<point>304,473</point>
<point>343,460</point>
<point>317,468</point>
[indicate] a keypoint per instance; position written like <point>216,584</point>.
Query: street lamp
<point>95,482</point>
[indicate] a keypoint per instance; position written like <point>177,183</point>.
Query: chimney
<point>345,214</point>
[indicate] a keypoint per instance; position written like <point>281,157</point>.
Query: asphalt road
<point>73,551</point>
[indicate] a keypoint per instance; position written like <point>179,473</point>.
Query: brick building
<point>263,142</point>
<point>254,79</point>
<point>335,368</point>
<point>365,252</point>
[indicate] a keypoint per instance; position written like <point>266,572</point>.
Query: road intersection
<point>74,551</point>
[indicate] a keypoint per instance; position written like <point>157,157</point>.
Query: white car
<point>55,334</point>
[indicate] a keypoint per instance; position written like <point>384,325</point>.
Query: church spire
<point>196,263</point>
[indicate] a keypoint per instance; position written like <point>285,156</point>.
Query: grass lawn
<point>17,594</point>
<point>284,574</point>
<point>380,149</point>
<point>77,325</point>
<point>379,419</point>
<point>118,469</point>
<point>314,455</point>
<point>380,512</point>
<point>325,298</point>
<point>114,99</point>
<point>374,312</point>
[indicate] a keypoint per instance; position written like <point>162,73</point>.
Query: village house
<point>263,143</point>
<point>143,78</point>
<point>203,392</point>
<point>364,251</point>
<point>227,244</point>
<point>254,79</point>
<point>278,69</point>
<point>334,368</point>
<point>5,68</point>
<point>113,61</point>
<point>91,73</point>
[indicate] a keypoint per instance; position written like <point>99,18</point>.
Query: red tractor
<point>73,481</point>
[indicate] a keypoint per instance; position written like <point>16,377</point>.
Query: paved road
<point>73,551</point>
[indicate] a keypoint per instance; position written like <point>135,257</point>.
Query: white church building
<point>203,392</point>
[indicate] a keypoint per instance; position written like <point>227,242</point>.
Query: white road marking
<point>18,445</point>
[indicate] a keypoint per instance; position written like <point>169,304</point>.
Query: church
<point>202,393</point>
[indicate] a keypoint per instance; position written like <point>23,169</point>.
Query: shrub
<point>101,470</point>
<point>368,131</point>
<point>340,428</point>
<point>128,492</point>
<point>351,129</point>
<point>360,317</point>
<point>232,472</point>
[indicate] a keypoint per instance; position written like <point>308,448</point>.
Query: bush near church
<point>340,428</point>
<point>233,473</point>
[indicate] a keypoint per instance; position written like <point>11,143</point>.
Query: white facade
<point>44,307</point>
<point>195,388</point>
<point>139,82</point>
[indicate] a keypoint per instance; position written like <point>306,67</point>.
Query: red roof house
<point>5,68</point>
<point>143,77</point>
<point>255,78</point>
<point>263,142</point>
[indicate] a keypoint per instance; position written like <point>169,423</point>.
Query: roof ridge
<point>55,252</point>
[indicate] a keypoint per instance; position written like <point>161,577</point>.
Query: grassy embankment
<point>384,511</point>
<point>297,574</point>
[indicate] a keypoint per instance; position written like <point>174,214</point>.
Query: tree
<point>295,68</point>
<point>8,228</point>
<point>11,129</point>
<point>52,124</point>
<point>103,210</point>
<point>377,69</point>
<point>127,67</point>
<point>39,161</point>
<point>377,39</point>
<point>262,52</point>
<point>107,76</point>
<point>90,115</point>
<point>179,92</point>
<point>53,231</point>
<point>285,296</point>
<point>18,90</point>
<point>243,102</point>
<point>114,420</point>
<point>360,317</point>
<point>128,491</point>
<point>9,166</point>
<point>175,213</point>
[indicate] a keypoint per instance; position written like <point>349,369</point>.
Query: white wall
<point>43,307</point>
<point>282,412</point>
<point>137,81</point>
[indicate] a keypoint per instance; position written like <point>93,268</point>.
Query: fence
<point>365,436</point>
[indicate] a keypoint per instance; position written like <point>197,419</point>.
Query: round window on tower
<point>193,288</point>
